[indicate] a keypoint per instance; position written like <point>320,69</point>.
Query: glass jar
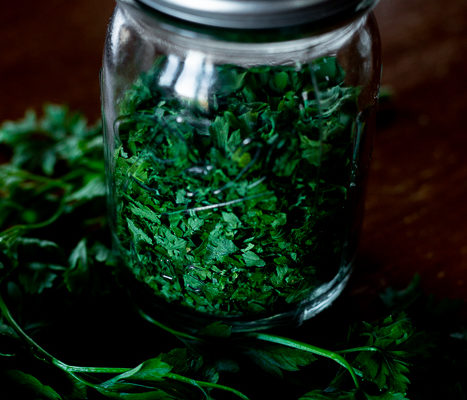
<point>238,138</point>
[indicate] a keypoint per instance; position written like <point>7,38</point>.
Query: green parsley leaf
<point>276,359</point>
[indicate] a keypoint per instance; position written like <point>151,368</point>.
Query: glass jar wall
<point>236,158</point>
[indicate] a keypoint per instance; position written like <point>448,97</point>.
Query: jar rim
<point>259,14</point>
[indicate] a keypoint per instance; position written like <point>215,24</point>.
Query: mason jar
<point>238,136</point>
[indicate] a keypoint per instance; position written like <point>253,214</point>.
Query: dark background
<point>416,207</point>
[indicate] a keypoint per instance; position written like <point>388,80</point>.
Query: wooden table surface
<point>416,206</point>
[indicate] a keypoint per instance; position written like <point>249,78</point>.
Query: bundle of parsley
<point>241,204</point>
<point>63,316</point>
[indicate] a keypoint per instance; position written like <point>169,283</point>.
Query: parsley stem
<point>220,205</point>
<point>10,235</point>
<point>43,355</point>
<point>358,349</point>
<point>205,384</point>
<point>51,219</point>
<point>38,350</point>
<point>178,334</point>
<point>29,176</point>
<point>96,370</point>
<point>308,348</point>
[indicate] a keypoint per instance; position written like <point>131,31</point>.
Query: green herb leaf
<point>276,359</point>
<point>31,386</point>
<point>151,371</point>
<point>388,367</point>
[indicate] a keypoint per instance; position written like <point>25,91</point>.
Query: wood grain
<point>416,209</point>
<point>416,205</point>
<point>51,52</point>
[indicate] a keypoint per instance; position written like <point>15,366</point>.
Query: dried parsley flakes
<point>239,207</point>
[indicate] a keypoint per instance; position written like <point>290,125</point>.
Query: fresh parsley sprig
<point>57,280</point>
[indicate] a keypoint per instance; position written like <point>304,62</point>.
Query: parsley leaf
<point>275,359</point>
<point>388,367</point>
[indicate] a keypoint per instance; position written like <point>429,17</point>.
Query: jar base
<point>321,299</point>
<point>182,318</point>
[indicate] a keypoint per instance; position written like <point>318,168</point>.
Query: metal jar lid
<point>259,14</point>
